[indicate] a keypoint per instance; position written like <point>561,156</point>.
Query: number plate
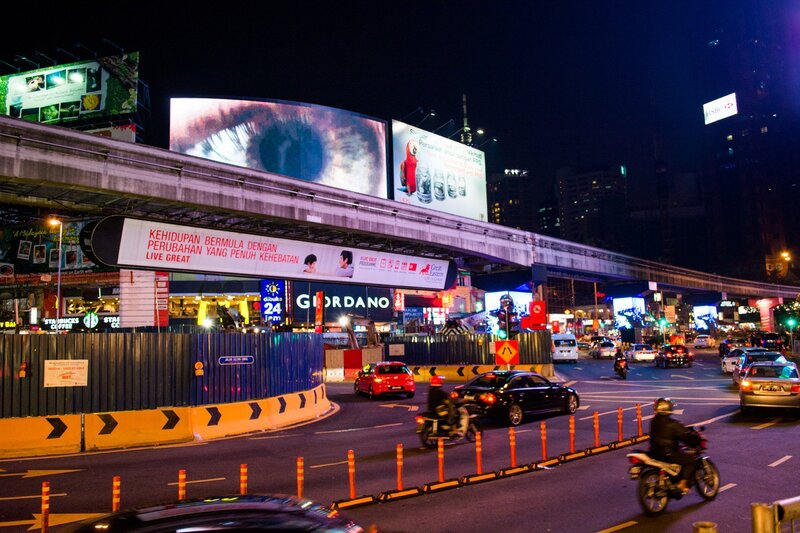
<point>396,388</point>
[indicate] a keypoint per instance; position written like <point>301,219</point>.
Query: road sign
<point>236,360</point>
<point>506,352</point>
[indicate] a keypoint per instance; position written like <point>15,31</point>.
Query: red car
<point>388,377</point>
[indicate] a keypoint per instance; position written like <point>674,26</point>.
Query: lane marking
<point>570,383</point>
<point>578,368</point>
<point>767,424</point>
<point>712,420</point>
<point>726,487</point>
<point>583,407</point>
<point>35,497</point>
<point>618,527</point>
<point>681,376</point>
<point>329,464</point>
<point>209,480</point>
<point>355,429</point>
<point>781,461</point>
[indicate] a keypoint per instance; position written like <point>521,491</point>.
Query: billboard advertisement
<point>520,301</point>
<point>34,250</point>
<point>720,108</point>
<point>273,301</point>
<point>628,312</point>
<point>312,143</point>
<point>373,303</point>
<point>74,92</point>
<point>705,316</point>
<point>434,172</point>
<point>152,245</point>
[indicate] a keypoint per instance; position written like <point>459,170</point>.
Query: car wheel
<point>371,394</point>
<point>410,395</point>
<point>745,409</point>
<point>571,404</point>
<point>689,365</point>
<point>355,387</point>
<point>515,414</point>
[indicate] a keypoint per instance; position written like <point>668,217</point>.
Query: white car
<point>731,361</point>
<point>605,349</point>
<point>704,341</point>
<point>641,352</point>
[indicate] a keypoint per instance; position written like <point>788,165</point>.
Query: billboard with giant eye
<point>434,172</point>
<point>74,92</point>
<point>312,143</point>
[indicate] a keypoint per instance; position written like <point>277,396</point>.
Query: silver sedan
<point>770,384</point>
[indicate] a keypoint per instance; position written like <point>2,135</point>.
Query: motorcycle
<point>432,426</point>
<point>658,481</point>
<point>621,368</point>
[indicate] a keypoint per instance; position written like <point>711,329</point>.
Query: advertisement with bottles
<point>434,172</point>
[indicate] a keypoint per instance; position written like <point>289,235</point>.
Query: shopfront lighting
<point>343,321</point>
<point>207,323</point>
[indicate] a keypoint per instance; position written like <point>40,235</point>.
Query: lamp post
<point>60,224</point>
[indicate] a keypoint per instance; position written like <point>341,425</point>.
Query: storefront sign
<point>273,301</point>
<point>66,373</point>
<point>367,302</point>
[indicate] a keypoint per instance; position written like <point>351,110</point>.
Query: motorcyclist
<point>618,356</point>
<point>666,434</point>
<point>724,348</point>
<point>438,401</point>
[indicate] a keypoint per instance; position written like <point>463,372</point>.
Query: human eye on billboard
<point>320,145</point>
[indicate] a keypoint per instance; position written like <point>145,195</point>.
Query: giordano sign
<point>368,302</point>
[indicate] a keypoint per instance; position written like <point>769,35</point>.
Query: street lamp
<point>60,224</point>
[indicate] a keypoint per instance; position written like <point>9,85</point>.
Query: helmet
<point>436,381</point>
<point>664,406</point>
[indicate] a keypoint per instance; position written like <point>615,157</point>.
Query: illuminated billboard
<point>628,312</point>
<point>434,172</point>
<point>720,108</point>
<point>74,92</point>
<point>705,316</point>
<point>312,143</point>
<point>124,242</point>
<point>520,301</point>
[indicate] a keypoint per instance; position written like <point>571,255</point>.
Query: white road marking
<point>583,407</point>
<point>578,368</point>
<point>680,376</point>
<point>726,487</point>
<point>618,527</point>
<point>711,420</point>
<point>570,383</point>
<point>767,424</point>
<point>329,464</point>
<point>34,497</point>
<point>781,460</point>
<point>209,480</point>
<point>355,429</point>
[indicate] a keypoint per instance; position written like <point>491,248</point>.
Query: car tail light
<point>746,385</point>
<point>454,394</point>
<point>488,398</point>
<point>378,380</point>
<point>420,419</point>
<point>796,388</point>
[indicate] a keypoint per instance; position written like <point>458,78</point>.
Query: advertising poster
<point>434,172</point>
<point>152,245</point>
<point>66,373</point>
<point>628,312</point>
<point>720,108</point>
<point>73,92</point>
<point>374,303</point>
<point>705,316</point>
<point>312,143</point>
<point>34,249</point>
<point>519,301</point>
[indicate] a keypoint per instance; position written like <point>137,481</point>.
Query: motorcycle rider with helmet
<point>439,402</point>
<point>666,434</point>
<point>618,356</point>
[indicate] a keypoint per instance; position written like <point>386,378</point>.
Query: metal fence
<point>132,371</point>
<point>776,517</point>
<point>534,348</point>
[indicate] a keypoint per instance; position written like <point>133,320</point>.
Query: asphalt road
<point>757,456</point>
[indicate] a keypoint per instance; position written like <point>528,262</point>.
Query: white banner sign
<point>720,108</point>
<point>66,373</point>
<point>169,247</point>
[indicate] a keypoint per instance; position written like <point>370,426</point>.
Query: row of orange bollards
<point>351,465</point>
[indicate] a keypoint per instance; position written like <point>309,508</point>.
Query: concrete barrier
<point>40,435</point>
<point>462,373</point>
<point>126,429</point>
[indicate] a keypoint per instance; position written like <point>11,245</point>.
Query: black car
<point>511,394</point>
<point>674,355</point>
<point>225,513</point>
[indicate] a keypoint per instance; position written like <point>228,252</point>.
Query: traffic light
<point>513,324</point>
<point>791,322</point>
<point>502,324</point>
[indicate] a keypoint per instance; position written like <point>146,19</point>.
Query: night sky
<point>559,82</point>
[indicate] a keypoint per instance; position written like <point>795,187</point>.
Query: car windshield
<point>490,380</point>
<point>393,369</point>
<point>766,356</point>
<point>606,344</point>
<point>782,372</point>
<point>564,342</point>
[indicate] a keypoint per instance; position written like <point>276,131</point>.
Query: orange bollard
<point>619,423</point>
<point>571,434</point>
<point>351,472</point>
<point>399,467</point>
<point>543,430</point>
<point>440,456</point>
<point>116,492</point>
<point>478,454</point>
<point>512,443</point>
<point>639,418</point>
<point>242,479</point>
<point>301,477</point>
<point>45,506</point>
<point>596,429</point>
<point>181,484</point>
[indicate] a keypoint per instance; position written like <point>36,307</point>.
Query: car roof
<point>773,363</point>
